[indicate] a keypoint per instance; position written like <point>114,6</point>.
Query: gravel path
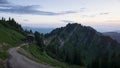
<point>19,61</point>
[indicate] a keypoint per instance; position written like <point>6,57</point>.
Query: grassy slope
<point>8,38</point>
<point>42,57</point>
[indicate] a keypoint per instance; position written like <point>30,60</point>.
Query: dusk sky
<point>103,15</point>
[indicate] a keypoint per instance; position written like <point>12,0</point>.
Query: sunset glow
<point>54,13</point>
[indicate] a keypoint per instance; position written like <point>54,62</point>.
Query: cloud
<point>113,21</point>
<point>83,9</point>
<point>105,13</point>
<point>30,9</point>
<point>68,21</point>
<point>3,2</point>
<point>97,14</point>
<point>25,20</point>
<point>89,15</point>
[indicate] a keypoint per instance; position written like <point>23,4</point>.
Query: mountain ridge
<point>71,42</point>
<point>113,35</point>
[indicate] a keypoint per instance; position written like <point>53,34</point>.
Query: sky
<point>103,15</point>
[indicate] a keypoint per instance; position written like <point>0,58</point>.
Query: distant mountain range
<point>118,31</point>
<point>113,35</point>
<point>40,30</point>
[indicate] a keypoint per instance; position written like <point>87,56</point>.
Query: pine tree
<point>39,40</point>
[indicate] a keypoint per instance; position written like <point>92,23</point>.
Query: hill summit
<point>82,45</point>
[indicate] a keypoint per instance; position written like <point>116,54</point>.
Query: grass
<point>8,38</point>
<point>42,57</point>
<point>3,51</point>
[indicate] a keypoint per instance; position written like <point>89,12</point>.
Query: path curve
<point>19,61</point>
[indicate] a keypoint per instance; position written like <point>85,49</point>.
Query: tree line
<point>12,24</point>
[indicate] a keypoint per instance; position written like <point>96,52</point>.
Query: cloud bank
<point>3,2</point>
<point>68,21</point>
<point>7,7</point>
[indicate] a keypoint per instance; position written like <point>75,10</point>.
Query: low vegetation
<point>11,35</point>
<point>42,57</point>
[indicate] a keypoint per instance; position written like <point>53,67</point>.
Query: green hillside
<point>34,53</point>
<point>9,37</point>
<point>84,46</point>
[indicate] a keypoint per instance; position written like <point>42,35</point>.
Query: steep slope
<point>9,37</point>
<point>81,45</point>
<point>113,35</point>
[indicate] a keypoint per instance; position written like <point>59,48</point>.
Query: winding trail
<point>19,61</point>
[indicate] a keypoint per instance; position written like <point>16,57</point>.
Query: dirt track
<point>19,61</point>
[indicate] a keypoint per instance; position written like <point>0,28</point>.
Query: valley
<point>70,46</point>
